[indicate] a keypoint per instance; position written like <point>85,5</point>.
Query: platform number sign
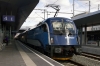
<point>9,18</point>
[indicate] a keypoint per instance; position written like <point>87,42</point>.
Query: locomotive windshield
<point>63,28</point>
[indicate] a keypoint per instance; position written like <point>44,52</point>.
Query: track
<point>85,59</point>
<point>70,63</point>
<point>74,63</point>
<point>96,57</point>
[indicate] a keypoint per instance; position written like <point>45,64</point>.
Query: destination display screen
<point>8,18</point>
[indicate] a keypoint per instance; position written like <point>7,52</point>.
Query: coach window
<point>44,27</point>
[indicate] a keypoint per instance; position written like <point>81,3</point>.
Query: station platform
<point>91,49</point>
<point>17,54</point>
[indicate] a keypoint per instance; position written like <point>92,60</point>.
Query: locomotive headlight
<point>58,50</point>
<point>52,40</point>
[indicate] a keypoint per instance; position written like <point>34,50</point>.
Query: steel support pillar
<point>80,34</point>
<point>85,35</point>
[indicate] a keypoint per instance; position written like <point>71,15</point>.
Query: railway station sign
<point>9,18</point>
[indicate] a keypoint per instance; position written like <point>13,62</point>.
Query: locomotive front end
<point>64,39</point>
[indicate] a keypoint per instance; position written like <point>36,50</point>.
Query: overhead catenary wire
<point>60,12</point>
<point>39,16</point>
<point>80,11</point>
<point>55,1</point>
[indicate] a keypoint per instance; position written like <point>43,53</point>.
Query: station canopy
<point>14,12</point>
<point>87,19</point>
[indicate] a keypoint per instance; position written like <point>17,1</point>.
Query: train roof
<point>57,17</point>
<point>42,22</point>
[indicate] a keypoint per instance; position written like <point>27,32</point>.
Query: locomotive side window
<point>44,27</point>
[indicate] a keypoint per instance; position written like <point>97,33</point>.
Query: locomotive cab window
<point>70,27</point>
<point>44,27</point>
<point>58,28</point>
<point>63,28</point>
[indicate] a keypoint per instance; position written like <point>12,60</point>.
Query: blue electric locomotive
<point>56,36</point>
